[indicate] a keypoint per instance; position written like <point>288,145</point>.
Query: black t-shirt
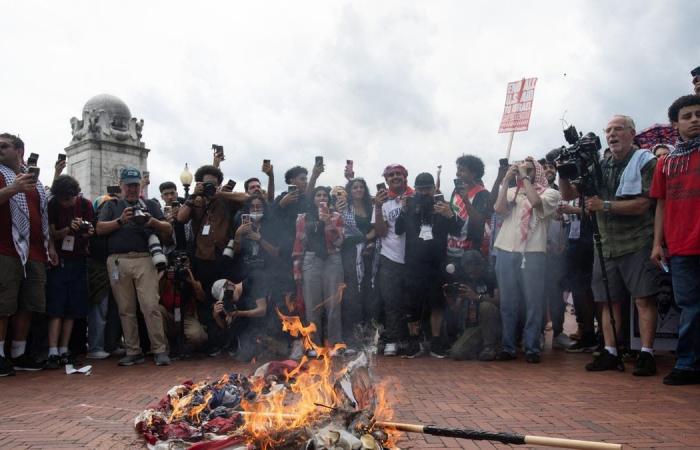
<point>130,237</point>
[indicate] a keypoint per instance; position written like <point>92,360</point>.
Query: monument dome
<point>109,103</point>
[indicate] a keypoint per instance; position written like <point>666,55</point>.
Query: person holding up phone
<point>391,273</point>
<point>23,260</point>
<point>470,201</point>
<point>426,222</point>
<point>318,267</point>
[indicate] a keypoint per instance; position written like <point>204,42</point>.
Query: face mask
<point>256,216</point>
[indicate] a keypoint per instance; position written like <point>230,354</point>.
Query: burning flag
<point>315,403</point>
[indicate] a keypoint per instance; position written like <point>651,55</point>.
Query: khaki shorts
<point>18,293</point>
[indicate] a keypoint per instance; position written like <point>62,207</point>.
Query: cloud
<point>377,82</point>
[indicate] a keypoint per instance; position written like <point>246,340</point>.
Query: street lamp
<point>186,180</point>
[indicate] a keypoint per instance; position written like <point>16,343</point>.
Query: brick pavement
<point>556,398</point>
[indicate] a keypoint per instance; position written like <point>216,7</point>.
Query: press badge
<point>68,244</point>
<point>205,230</point>
<point>426,232</point>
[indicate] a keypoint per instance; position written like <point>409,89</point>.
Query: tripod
<point>588,188</point>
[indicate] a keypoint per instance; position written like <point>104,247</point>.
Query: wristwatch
<point>607,205</point>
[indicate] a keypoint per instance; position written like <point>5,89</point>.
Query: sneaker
<point>645,366</point>
<point>505,356</point>
<point>6,369</point>
<point>562,342</point>
<point>54,362</point>
<point>488,354</point>
<point>98,354</point>
<point>582,347</point>
<point>67,358</point>
<point>130,360</point>
<point>413,350</point>
<point>438,349</point>
<point>604,361</point>
<point>391,349</point>
<point>25,362</point>
<point>679,377</point>
<point>533,358</point>
<point>161,359</point>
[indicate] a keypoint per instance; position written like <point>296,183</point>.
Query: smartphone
<point>291,188</point>
<point>323,207</point>
<point>114,190</point>
<point>34,171</point>
<point>218,149</point>
<point>175,204</point>
<point>319,160</point>
<point>503,162</point>
<point>229,304</point>
<point>245,218</point>
<point>61,156</point>
<point>349,163</point>
<point>167,211</point>
<point>231,183</point>
<point>381,187</point>
<point>33,159</point>
<point>266,161</point>
<point>438,198</point>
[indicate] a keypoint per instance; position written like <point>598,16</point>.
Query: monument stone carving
<point>105,140</point>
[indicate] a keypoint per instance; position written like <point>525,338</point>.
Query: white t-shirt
<point>393,246</point>
<point>509,237</point>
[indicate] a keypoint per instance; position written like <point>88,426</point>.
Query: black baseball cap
<point>695,72</point>
<point>424,180</point>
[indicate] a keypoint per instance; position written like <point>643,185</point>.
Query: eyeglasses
<point>617,128</point>
<point>5,145</point>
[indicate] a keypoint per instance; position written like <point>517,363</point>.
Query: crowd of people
<point>412,266</point>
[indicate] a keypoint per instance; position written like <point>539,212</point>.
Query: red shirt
<point>37,251</point>
<point>681,192</point>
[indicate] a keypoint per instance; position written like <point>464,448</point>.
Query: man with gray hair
<point>625,217</point>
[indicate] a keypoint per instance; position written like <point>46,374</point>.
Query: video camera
<point>574,162</point>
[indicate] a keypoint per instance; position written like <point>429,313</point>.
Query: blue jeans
<point>685,273</point>
<point>521,285</point>
<point>97,322</point>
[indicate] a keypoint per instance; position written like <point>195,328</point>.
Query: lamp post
<point>186,180</point>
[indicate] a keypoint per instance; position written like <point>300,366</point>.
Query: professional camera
<point>84,226</point>
<point>140,216</point>
<point>156,251</point>
<point>209,189</point>
<point>574,162</point>
<point>180,266</point>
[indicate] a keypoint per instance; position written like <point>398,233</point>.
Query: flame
<point>275,414</point>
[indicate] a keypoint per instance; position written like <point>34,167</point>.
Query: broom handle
<point>506,438</point>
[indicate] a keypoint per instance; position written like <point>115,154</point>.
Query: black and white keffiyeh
<point>676,162</point>
<point>19,210</point>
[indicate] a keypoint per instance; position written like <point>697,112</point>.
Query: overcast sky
<point>378,82</point>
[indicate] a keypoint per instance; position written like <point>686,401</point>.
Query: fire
<point>312,383</point>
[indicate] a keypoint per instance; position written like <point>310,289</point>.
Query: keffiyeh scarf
<point>540,184</point>
<point>19,212</point>
<point>676,162</point>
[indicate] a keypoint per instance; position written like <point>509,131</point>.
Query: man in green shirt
<point>625,218</point>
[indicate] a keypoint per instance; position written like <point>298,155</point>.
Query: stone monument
<point>106,140</point>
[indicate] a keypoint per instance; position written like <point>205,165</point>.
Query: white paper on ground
<point>87,370</point>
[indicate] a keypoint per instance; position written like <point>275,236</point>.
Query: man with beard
<point>426,221</point>
<point>391,273</point>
